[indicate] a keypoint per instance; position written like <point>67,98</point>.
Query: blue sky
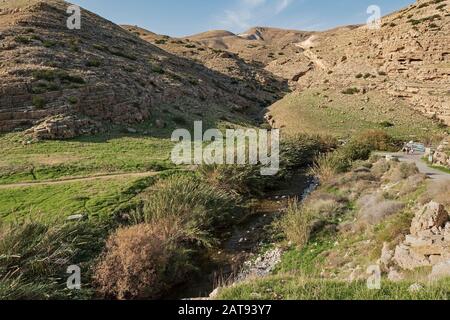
<point>186,17</point>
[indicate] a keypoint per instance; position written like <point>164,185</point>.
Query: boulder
<point>432,215</point>
<point>440,271</point>
<point>428,244</point>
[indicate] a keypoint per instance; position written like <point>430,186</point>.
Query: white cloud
<point>282,5</point>
<point>248,12</point>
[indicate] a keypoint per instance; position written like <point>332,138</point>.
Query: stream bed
<point>239,255</point>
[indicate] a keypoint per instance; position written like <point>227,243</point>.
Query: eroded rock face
<point>105,73</point>
<point>64,127</point>
<point>432,216</point>
<point>429,242</point>
<point>441,270</point>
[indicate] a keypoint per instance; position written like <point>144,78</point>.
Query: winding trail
<point>80,179</point>
<point>306,46</point>
<point>433,174</point>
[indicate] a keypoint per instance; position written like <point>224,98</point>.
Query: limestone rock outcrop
<point>428,245</point>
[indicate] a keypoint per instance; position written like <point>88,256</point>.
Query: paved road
<point>424,168</point>
<point>72,180</point>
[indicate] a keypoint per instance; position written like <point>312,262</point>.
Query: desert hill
<point>70,82</point>
<point>407,62</point>
<point>250,79</point>
<point>260,44</point>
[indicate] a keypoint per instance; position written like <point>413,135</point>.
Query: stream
<point>226,263</point>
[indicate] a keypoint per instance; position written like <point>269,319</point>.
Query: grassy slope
<point>312,111</point>
<point>319,269</point>
<point>81,157</point>
<point>56,202</point>
<point>300,288</point>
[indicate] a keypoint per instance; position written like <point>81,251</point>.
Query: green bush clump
<point>39,102</point>
<point>351,91</point>
<point>49,43</point>
<point>201,208</point>
<point>387,124</point>
<point>44,86</point>
<point>157,69</point>
<point>239,179</point>
<point>22,40</point>
<point>93,63</point>
<point>34,257</point>
<point>53,75</point>
<point>300,150</point>
<point>359,147</point>
<point>72,100</point>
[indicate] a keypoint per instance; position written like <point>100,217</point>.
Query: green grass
<point>299,288</point>
<point>52,203</point>
<point>311,112</point>
<point>101,154</point>
<point>440,168</point>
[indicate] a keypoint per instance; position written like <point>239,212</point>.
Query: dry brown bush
<point>141,261</point>
<point>374,208</point>
<point>325,205</point>
<point>297,223</point>
<point>439,192</point>
<point>400,171</point>
<point>411,184</point>
<point>380,167</point>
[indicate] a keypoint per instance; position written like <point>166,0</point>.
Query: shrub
<point>39,102</point>
<point>49,43</point>
<point>358,148</point>
<point>142,261</point>
<point>72,100</point>
<point>359,76</point>
<point>400,171</point>
<point>374,208</point>
<point>93,63</point>
<point>351,91</point>
<point>300,150</point>
<point>201,208</point>
<point>325,167</point>
<point>243,180</point>
<point>157,69</point>
<point>53,75</point>
<point>33,252</point>
<point>297,223</point>
<point>22,40</point>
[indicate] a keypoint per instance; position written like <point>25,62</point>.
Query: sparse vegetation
<point>39,102</point>
<point>351,91</point>
<point>93,63</point>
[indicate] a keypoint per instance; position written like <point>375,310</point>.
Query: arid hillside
<point>406,62</point>
<point>70,82</point>
<point>250,79</point>
<point>263,45</point>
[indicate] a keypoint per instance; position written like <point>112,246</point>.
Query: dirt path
<point>433,174</point>
<point>80,179</point>
<point>306,45</point>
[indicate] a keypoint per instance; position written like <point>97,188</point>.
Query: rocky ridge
<point>428,245</point>
<point>99,74</point>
